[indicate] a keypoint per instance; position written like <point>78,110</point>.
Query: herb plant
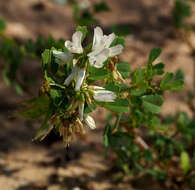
<point>141,140</point>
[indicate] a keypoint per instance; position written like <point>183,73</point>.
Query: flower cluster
<point>100,51</point>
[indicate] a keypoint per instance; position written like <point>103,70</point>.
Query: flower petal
<point>104,96</point>
<point>98,38</point>
<point>93,62</point>
<point>62,56</point>
<point>75,46</point>
<point>90,122</point>
<point>108,40</point>
<point>116,50</point>
<point>80,78</point>
<point>76,40</point>
<point>81,110</point>
<point>69,79</point>
<point>97,58</point>
<point>97,87</point>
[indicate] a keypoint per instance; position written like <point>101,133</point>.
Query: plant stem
<point>116,125</point>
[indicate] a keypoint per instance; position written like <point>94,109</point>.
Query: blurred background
<point>27,165</point>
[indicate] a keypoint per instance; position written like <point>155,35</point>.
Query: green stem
<point>116,125</point>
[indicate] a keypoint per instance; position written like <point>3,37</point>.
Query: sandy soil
<point>27,165</point>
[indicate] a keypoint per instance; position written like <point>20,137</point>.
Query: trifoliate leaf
<point>172,82</point>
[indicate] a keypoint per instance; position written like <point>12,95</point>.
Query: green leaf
<point>6,78</point>
<point>18,88</point>
<point>137,92</point>
<point>37,107</point>
<point>119,105</point>
<point>97,74</point>
<point>139,78</point>
<point>54,67</point>
<point>107,132</point>
<point>122,29</point>
<point>46,59</point>
<point>154,54</point>
<point>152,103</point>
<point>118,41</point>
<point>151,107</point>
<point>181,11</point>
<point>45,128</point>
<point>112,87</point>
<point>2,25</point>
<point>172,82</point>
<point>183,122</point>
<point>48,77</point>
<point>158,69</point>
<point>148,156</point>
<point>56,95</point>
<point>101,6</point>
<point>84,31</point>
<point>185,162</point>
<point>124,69</point>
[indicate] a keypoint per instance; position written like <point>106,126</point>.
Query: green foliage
<point>37,107</point>
<point>101,6</point>
<point>124,69</point>
<point>83,16</point>
<point>118,41</point>
<point>152,103</point>
<point>154,54</point>
<point>119,105</point>
<point>83,29</point>
<point>172,82</point>
<point>14,55</point>
<point>97,74</point>
<point>181,11</point>
<point>185,162</point>
<point>2,25</point>
<point>121,29</point>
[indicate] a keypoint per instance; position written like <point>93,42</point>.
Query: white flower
<point>85,4</point>
<point>90,122</point>
<point>97,57</point>
<point>79,73</point>
<point>64,57</point>
<point>101,48</point>
<point>102,95</point>
<point>75,46</point>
